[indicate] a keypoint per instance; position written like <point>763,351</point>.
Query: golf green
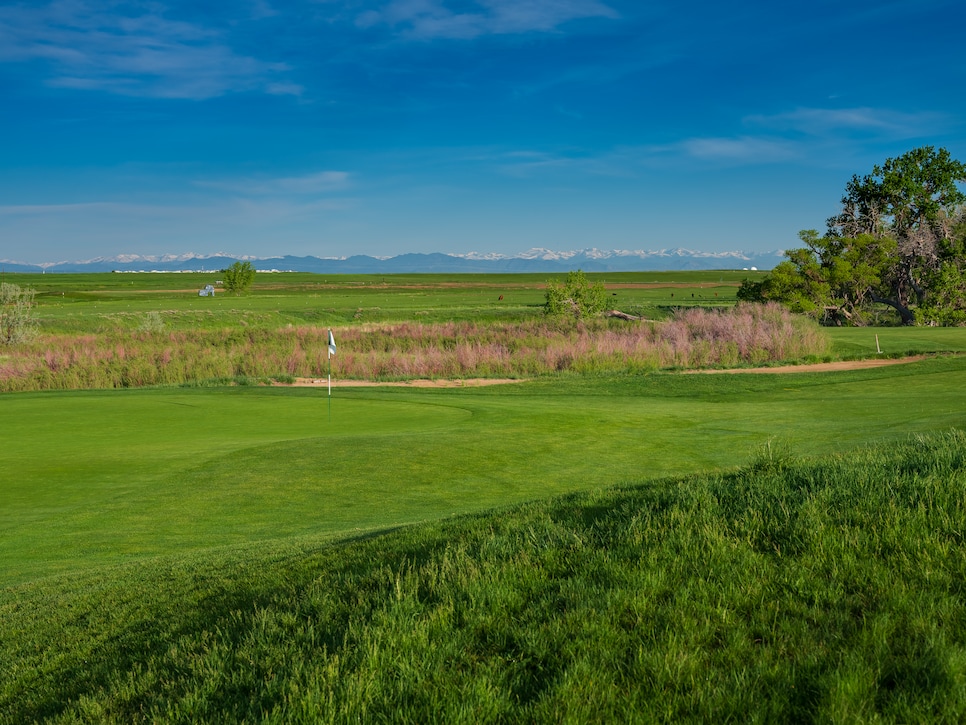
<point>95,478</point>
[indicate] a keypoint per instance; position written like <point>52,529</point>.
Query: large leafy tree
<point>899,240</point>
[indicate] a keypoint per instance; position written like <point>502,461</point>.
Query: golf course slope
<point>786,591</point>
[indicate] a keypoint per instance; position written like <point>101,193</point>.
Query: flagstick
<point>331,348</point>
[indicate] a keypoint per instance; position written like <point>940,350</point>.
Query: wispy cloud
<point>235,210</point>
<point>49,209</point>
<point>741,149</point>
<point>633,161</point>
<point>131,48</point>
<point>430,19</point>
<point>796,135</point>
<point>802,136</point>
<point>560,164</point>
<point>825,121</point>
<point>321,182</point>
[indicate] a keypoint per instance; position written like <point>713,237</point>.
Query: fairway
<point>96,478</point>
<point>862,341</point>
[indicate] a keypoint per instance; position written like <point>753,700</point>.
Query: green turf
<point>862,341</point>
<point>96,478</point>
<point>788,591</point>
<point>98,302</point>
<point>181,555</point>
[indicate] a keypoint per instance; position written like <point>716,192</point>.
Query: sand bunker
<point>480,382</point>
<point>820,367</point>
<point>464,383</point>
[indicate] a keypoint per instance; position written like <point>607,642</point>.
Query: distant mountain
<point>534,260</point>
<point>14,267</point>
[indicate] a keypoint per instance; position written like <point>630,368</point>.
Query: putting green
<point>59,437</point>
<point>104,475</point>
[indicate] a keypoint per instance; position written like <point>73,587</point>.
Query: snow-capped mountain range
<point>532,260</point>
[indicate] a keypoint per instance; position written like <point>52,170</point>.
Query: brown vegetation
<point>692,338</point>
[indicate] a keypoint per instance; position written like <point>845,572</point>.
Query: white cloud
<point>284,89</point>
<point>321,182</point>
<point>130,48</point>
<point>429,19</point>
<point>518,16</point>
<point>743,149</point>
<point>60,209</point>
<point>797,135</point>
<point>625,162</point>
<point>823,121</point>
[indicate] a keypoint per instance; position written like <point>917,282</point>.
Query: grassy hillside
<point>787,591</point>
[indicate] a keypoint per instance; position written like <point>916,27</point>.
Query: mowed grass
<point>97,478</point>
<point>861,342</point>
<point>788,591</point>
<point>93,476</point>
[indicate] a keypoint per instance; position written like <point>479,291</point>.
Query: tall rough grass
<point>693,337</point>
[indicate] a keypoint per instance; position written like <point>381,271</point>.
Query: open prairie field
<point>571,546</point>
<point>79,302</point>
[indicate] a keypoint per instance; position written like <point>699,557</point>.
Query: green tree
<point>239,276</point>
<point>16,313</point>
<point>946,303</point>
<point>898,240</point>
<point>575,297</point>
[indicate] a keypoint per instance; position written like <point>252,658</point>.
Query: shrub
<point>575,297</point>
<point>16,313</point>
<point>239,276</point>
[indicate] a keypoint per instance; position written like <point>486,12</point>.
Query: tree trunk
<point>621,315</point>
<point>908,318</point>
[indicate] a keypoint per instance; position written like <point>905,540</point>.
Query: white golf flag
<point>331,343</point>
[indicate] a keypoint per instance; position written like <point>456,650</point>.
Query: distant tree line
<point>898,242</point>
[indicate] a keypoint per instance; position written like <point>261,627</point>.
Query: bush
<point>16,314</point>
<point>576,297</point>
<point>239,276</point>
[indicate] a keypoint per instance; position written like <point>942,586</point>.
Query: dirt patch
<point>819,367</point>
<point>465,383</point>
<point>481,382</point>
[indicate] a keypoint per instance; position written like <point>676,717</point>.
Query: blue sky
<point>331,128</point>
